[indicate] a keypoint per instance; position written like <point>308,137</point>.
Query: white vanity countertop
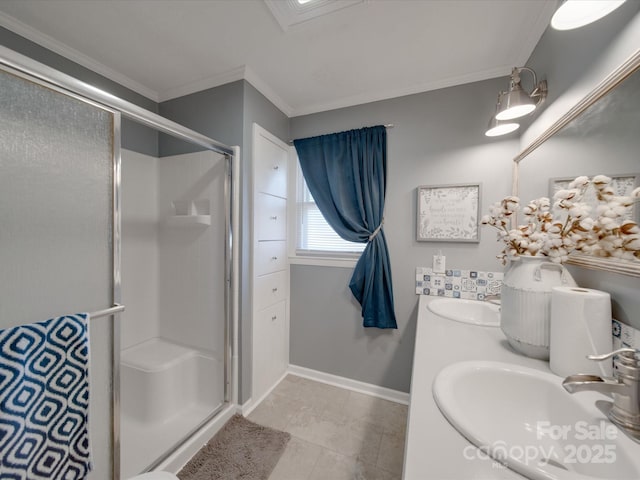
<point>434,449</point>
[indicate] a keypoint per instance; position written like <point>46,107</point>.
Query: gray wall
<point>215,112</point>
<point>438,138</point>
<point>135,137</point>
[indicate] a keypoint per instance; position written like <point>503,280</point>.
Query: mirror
<point>600,135</point>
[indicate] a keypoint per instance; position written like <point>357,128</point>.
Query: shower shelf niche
<point>189,220</point>
<point>190,213</point>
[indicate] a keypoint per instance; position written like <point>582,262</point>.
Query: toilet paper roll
<point>580,325</point>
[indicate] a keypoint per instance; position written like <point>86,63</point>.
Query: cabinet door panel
<point>270,256</point>
<point>270,356</point>
<point>270,289</point>
<point>271,168</point>
<point>270,217</point>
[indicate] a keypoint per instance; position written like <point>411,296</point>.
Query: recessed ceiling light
<point>293,12</point>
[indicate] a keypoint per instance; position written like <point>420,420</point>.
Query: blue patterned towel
<point>44,400</point>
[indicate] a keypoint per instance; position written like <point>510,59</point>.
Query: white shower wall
<point>191,275</point>
<point>140,248</point>
<point>172,275</point>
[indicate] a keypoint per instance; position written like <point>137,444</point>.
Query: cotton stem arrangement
<point>569,225</point>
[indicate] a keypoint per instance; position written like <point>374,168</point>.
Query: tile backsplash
<point>625,336</point>
<point>467,284</point>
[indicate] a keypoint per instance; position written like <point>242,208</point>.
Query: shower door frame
<point>31,70</point>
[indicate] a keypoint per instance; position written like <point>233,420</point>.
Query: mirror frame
<point>615,78</point>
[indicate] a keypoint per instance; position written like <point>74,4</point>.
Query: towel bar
<point>107,311</point>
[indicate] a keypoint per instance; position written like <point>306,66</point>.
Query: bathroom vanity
<point>436,450</point>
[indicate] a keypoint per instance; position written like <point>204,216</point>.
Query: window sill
<point>323,261</point>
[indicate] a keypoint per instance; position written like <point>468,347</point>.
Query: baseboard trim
<point>250,405</point>
<point>350,384</point>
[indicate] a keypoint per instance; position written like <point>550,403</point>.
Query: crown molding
<point>69,53</point>
<point>395,93</point>
<point>538,27</point>
<point>239,73</point>
<point>206,83</point>
<point>251,77</point>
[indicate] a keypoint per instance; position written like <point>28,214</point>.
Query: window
<point>313,234</point>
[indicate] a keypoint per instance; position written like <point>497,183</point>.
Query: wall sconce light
<point>517,102</point>
<point>498,127</point>
<point>577,13</point>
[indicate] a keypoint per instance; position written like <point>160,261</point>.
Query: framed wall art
<point>448,213</point>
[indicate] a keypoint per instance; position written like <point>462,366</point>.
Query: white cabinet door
<point>271,347</point>
<point>270,217</point>
<point>269,257</point>
<point>271,169</point>
<point>270,289</point>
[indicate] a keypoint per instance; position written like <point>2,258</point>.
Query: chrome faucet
<point>495,299</point>
<point>624,387</point>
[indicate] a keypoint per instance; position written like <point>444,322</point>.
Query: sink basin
<point>467,311</point>
<point>523,418</point>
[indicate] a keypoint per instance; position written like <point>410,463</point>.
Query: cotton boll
<point>625,201</point>
<point>611,213</point>
<point>629,227</point>
<point>579,182</point>
<point>606,192</point>
<point>555,242</point>
<point>543,203</point>
<point>600,180</point>
<point>579,211</point>
<point>606,221</point>
<point>620,210</point>
<point>534,248</point>
<point>632,243</point>
<point>565,194</point>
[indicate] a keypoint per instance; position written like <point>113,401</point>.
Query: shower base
<point>167,390</point>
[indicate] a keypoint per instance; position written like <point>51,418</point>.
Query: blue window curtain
<point>346,175</point>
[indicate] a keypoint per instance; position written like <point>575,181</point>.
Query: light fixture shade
<point>515,103</point>
<point>497,128</point>
<point>577,13</point>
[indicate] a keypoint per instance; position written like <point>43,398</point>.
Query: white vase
<point>526,303</point>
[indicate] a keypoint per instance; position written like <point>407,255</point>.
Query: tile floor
<point>336,434</point>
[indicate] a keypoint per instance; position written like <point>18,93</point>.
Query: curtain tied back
<point>346,175</point>
<point>377,230</point>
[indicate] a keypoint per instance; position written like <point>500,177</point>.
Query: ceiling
<point>368,50</point>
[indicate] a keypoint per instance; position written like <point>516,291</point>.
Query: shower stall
<point>172,363</point>
<point>151,233</point>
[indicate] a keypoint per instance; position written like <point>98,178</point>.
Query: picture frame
<point>448,213</point>
<point>622,184</point>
